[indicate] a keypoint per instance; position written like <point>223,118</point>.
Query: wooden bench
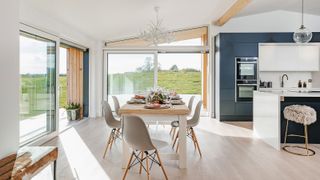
<point>30,161</point>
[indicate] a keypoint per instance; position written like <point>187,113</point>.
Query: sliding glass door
<point>37,87</point>
<point>127,74</point>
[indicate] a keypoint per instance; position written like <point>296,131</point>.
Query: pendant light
<point>302,35</point>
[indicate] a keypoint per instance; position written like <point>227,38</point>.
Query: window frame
<point>55,123</point>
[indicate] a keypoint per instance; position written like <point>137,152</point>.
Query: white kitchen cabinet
<point>288,57</point>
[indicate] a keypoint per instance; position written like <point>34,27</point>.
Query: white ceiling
<point>261,6</point>
<point>116,19</point>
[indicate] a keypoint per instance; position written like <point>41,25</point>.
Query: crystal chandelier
<point>302,35</point>
<point>155,33</point>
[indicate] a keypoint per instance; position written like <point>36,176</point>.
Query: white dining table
<point>162,116</point>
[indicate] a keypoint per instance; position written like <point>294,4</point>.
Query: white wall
<point>275,21</point>
<point>35,18</point>
<point>9,77</point>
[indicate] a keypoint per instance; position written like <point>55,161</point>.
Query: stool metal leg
<point>286,133</point>
<point>309,152</point>
<point>306,139</point>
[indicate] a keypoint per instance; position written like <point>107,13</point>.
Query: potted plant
<point>73,111</point>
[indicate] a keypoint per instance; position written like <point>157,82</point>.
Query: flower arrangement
<point>157,96</point>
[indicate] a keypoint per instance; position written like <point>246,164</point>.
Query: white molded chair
<point>191,123</point>
<point>116,105</point>
<point>136,135</point>
<point>112,123</point>
<point>190,106</point>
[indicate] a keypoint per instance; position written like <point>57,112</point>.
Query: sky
<point>33,57</point>
<point>120,63</point>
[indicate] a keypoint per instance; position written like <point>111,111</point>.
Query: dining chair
<point>191,123</point>
<point>112,123</point>
<point>190,106</point>
<point>116,105</point>
<point>136,135</point>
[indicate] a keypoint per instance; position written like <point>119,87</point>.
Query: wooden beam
<point>231,12</point>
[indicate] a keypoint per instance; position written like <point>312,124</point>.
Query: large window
<point>180,72</point>
<point>37,86</point>
<point>128,73</point>
<point>181,65</point>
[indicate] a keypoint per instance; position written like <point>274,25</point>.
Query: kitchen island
<point>268,120</point>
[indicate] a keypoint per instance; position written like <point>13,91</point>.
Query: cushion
<point>300,114</point>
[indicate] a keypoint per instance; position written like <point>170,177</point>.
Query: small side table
<point>31,160</point>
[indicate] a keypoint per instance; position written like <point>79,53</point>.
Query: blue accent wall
<point>230,45</point>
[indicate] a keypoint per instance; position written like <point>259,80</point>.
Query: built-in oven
<point>244,92</point>
<point>246,68</point>
<point>246,76</point>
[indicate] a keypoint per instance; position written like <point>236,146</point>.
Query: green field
<point>183,82</point>
<point>35,92</point>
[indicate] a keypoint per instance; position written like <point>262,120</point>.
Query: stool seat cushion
<point>300,114</point>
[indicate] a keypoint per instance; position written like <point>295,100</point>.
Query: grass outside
<point>183,82</point>
<point>35,93</point>
<point>34,88</point>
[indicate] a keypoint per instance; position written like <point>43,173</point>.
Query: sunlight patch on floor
<point>224,129</point>
<point>82,162</point>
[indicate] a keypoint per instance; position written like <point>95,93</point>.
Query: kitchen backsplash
<point>316,79</point>
<point>294,78</point>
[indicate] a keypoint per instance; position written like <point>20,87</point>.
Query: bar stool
<point>300,114</point>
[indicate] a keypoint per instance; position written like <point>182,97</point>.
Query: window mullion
<point>155,81</point>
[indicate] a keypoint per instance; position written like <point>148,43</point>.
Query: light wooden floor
<point>229,153</point>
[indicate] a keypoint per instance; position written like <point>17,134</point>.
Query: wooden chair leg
<point>177,147</point>
<point>107,146</point>
<point>141,162</point>
<point>193,140</point>
<point>147,166</point>
<point>175,140</point>
<point>197,143</point>
<point>128,166</point>
<point>161,165</point>
<point>171,130</point>
<point>174,132</point>
<point>113,138</point>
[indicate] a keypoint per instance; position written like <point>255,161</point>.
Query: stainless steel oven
<point>246,76</point>
<point>244,92</point>
<point>246,68</point>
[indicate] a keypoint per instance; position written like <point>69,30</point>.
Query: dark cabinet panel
<point>244,109</point>
<point>227,95</point>
<point>295,128</point>
<point>227,108</point>
<point>246,49</point>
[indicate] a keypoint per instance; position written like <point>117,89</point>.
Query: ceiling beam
<point>231,12</point>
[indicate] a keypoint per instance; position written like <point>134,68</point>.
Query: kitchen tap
<point>282,83</point>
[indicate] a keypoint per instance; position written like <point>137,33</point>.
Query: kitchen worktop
<point>293,92</point>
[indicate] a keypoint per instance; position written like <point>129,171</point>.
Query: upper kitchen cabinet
<point>288,57</point>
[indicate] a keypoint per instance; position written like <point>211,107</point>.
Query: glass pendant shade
<point>302,35</point>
